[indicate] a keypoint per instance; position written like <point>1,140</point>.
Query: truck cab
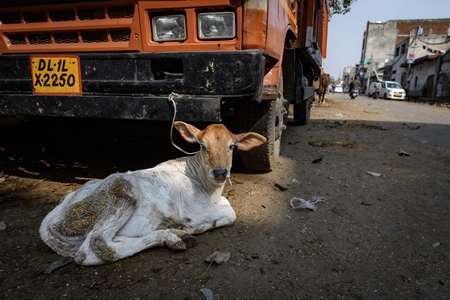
<point>243,63</point>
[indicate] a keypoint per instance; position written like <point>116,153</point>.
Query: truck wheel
<point>267,119</point>
<point>302,112</point>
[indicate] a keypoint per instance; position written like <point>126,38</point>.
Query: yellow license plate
<point>56,74</point>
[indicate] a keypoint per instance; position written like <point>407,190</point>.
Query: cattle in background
<point>324,83</point>
<point>125,213</point>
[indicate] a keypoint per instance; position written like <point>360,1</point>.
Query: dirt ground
<point>378,235</point>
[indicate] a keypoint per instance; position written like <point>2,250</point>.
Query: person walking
<point>377,90</point>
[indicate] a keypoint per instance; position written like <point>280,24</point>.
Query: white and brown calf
<point>125,213</point>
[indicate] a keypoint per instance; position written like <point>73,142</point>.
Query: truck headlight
<point>169,28</point>
<point>218,25</point>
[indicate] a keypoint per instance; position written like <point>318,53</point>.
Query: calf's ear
<point>248,140</point>
<point>188,132</point>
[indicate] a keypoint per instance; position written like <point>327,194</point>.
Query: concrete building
<point>405,51</point>
<point>419,72</point>
<point>442,86</point>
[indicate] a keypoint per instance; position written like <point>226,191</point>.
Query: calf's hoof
<point>189,240</point>
<point>178,246</point>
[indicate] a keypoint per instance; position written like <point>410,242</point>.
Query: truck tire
<point>267,119</point>
<point>302,112</point>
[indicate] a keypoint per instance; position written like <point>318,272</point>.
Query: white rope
<point>171,96</point>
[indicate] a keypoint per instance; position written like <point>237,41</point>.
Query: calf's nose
<point>220,173</point>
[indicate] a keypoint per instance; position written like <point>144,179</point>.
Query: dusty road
<point>382,231</point>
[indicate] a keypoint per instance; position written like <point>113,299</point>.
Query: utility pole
<point>376,72</point>
<point>368,75</point>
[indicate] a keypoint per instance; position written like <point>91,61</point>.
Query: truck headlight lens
<point>169,28</point>
<point>219,25</point>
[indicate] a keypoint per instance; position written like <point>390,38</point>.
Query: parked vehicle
<point>237,62</point>
<point>338,89</point>
<point>389,90</point>
<point>354,93</point>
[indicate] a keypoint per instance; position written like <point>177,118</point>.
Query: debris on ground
<point>317,160</point>
<point>403,153</point>
<point>373,174</point>
<point>218,257</point>
<point>297,203</point>
<point>207,293</point>
<point>280,187</point>
<point>306,230</point>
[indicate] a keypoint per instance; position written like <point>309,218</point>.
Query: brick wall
<point>435,26</point>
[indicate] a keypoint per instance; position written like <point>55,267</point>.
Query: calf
<point>125,213</point>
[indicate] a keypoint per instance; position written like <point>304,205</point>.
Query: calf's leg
<point>100,247</point>
<point>219,215</point>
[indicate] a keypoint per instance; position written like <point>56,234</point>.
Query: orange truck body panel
<point>313,19</point>
<point>124,27</point>
<point>256,28</point>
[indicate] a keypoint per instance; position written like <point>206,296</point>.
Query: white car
<point>389,90</point>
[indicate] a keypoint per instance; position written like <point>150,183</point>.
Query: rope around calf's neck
<point>171,96</point>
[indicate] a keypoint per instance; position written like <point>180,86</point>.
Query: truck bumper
<point>137,85</point>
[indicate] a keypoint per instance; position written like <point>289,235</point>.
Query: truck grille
<point>67,15</point>
<point>58,26</point>
<point>70,37</point>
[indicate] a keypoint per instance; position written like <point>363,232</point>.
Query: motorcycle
<point>354,93</point>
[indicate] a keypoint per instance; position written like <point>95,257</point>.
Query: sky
<point>345,32</point>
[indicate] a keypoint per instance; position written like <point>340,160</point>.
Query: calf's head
<point>216,147</point>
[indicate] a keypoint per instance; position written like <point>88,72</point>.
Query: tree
<point>340,7</point>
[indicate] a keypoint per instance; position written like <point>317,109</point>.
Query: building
<point>348,75</point>
<point>442,84</point>
<point>406,51</point>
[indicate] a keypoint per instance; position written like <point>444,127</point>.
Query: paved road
<point>401,111</point>
<point>433,121</point>
<point>373,237</point>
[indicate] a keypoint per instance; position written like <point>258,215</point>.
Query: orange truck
<point>240,62</point>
